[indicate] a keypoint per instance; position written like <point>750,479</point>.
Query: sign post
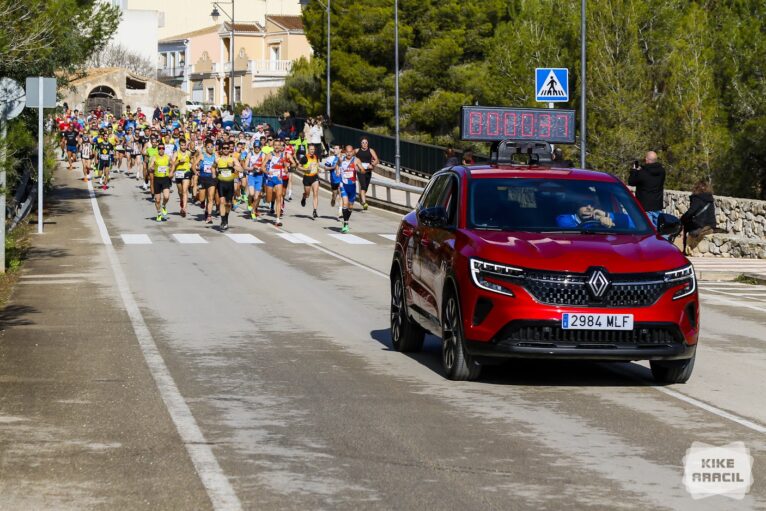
<point>41,93</point>
<point>11,105</point>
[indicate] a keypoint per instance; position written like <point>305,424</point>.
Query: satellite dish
<point>12,99</point>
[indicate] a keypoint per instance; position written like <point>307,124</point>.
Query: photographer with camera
<point>649,180</point>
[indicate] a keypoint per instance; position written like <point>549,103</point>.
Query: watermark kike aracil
<point>711,470</point>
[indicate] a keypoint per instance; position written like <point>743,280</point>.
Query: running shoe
<point>278,223</point>
<point>364,206</point>
<point>303,201</point>
<point>159,217</point>
<point>208,220</point>
<point>104,187</point>
<point>315,214</point>
<point>164,212</point>
<point>344,230</point>
<point>235,206</point>
<point>183,213</point>
<point>249,207</point>
<point>253,215</point>
<point>272,212</point>
<point>224,225</point>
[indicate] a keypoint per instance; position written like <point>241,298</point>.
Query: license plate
<point>571,321</point>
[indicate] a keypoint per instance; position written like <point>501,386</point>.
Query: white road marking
<point>136,239</point>
<point>49,282</point>
<point>351,239</point>
<point>391,237</point>
<point>727,301</point>
<point>217,485</point>
<point>190,239</point>
<point>55,275</point>
<point>247,239</point>
<point>712,409</point>
<point>297,238</point>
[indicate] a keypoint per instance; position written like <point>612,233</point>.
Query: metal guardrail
<point>423,159</point>
<point>389,185</point>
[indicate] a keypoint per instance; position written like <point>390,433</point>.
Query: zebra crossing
<point>249,239</point>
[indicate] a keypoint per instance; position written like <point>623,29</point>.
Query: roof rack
<point>537,152</point>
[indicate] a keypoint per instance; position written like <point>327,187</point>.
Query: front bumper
<point>496,325</point>
<point>545,339</point>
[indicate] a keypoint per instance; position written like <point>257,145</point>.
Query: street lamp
<point>304,3</point>
<point>582,85</point>
<point>397,155</point>
<point>215,14</point>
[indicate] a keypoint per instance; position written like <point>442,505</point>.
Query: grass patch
<point>17,244</point>
<point>745,279</point>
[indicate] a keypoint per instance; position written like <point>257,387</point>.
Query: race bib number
<point>207,168</point>
<point>120,148</point>
<point>348,174</point>
<point>162,170</point>
<point>366,166</point>
<point>226,173</point>
<point>104,156</point>
<point>180,174</point>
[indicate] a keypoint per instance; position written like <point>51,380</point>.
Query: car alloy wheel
<point>457,364</point>
<point>406,336</point>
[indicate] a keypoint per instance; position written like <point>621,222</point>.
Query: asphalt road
<point>272,361</point>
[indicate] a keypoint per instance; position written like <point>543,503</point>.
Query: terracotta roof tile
<point>288,22</point>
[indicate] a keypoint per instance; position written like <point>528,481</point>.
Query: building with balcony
<point>199,62</point>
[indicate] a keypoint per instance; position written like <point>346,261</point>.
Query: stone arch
<point>102,91</point>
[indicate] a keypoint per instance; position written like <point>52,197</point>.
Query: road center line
<point>216,484</point>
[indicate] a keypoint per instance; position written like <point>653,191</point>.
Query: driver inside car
<point>586,214</point>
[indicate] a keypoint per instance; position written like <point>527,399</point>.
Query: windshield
<point>554,205</point>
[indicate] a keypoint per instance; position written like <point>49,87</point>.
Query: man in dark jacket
<point>649,180</point>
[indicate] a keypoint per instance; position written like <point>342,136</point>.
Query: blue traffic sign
<point>551,85</point>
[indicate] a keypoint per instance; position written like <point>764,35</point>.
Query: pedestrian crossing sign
<point>551,85</point>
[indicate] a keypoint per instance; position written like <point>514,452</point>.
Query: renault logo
<point>598,284</point>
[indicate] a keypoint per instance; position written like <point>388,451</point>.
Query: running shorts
<point>348,190</point>
<point>161,184</point>
<point>226,190</point>
<point>364,180</point>
<point>310,180</point>
<point>255,182</point>
<point>206,182</point>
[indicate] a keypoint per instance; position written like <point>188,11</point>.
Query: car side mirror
<point>668,225</point>
<point>433,217</point>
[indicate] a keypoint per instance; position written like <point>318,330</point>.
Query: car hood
<point>574,252</point>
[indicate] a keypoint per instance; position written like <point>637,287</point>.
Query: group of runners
<point>214,167</point>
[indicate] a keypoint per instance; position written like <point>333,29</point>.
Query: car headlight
<point>493,276</point>
<point>684,276</point>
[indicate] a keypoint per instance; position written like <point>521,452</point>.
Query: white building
<point>183,16</point>
<point>138,30</point>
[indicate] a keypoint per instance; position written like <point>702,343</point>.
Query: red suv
<point>537,262</point>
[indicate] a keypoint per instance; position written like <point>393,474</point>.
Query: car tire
<point>458,365</point>
<point>406,335</point>
<point>672,371</point>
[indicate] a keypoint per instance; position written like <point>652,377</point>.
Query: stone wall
<point>744,218</point>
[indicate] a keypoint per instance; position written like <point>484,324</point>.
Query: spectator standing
<point>699,219</point>
<point>468,157</point>
<point>327,136</point>
<point>247,118</point>
<point>649,180</point>
<point>450,157</point>
<point>227,118</point>
<point>286,124</point>
<point>315,137</point>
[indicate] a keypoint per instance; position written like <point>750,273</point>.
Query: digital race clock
<point>488,123</point>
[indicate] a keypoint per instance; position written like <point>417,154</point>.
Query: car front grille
<point>520,333</point>
<point>560,288</point>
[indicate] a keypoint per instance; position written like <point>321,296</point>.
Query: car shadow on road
<point>531,372</point>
